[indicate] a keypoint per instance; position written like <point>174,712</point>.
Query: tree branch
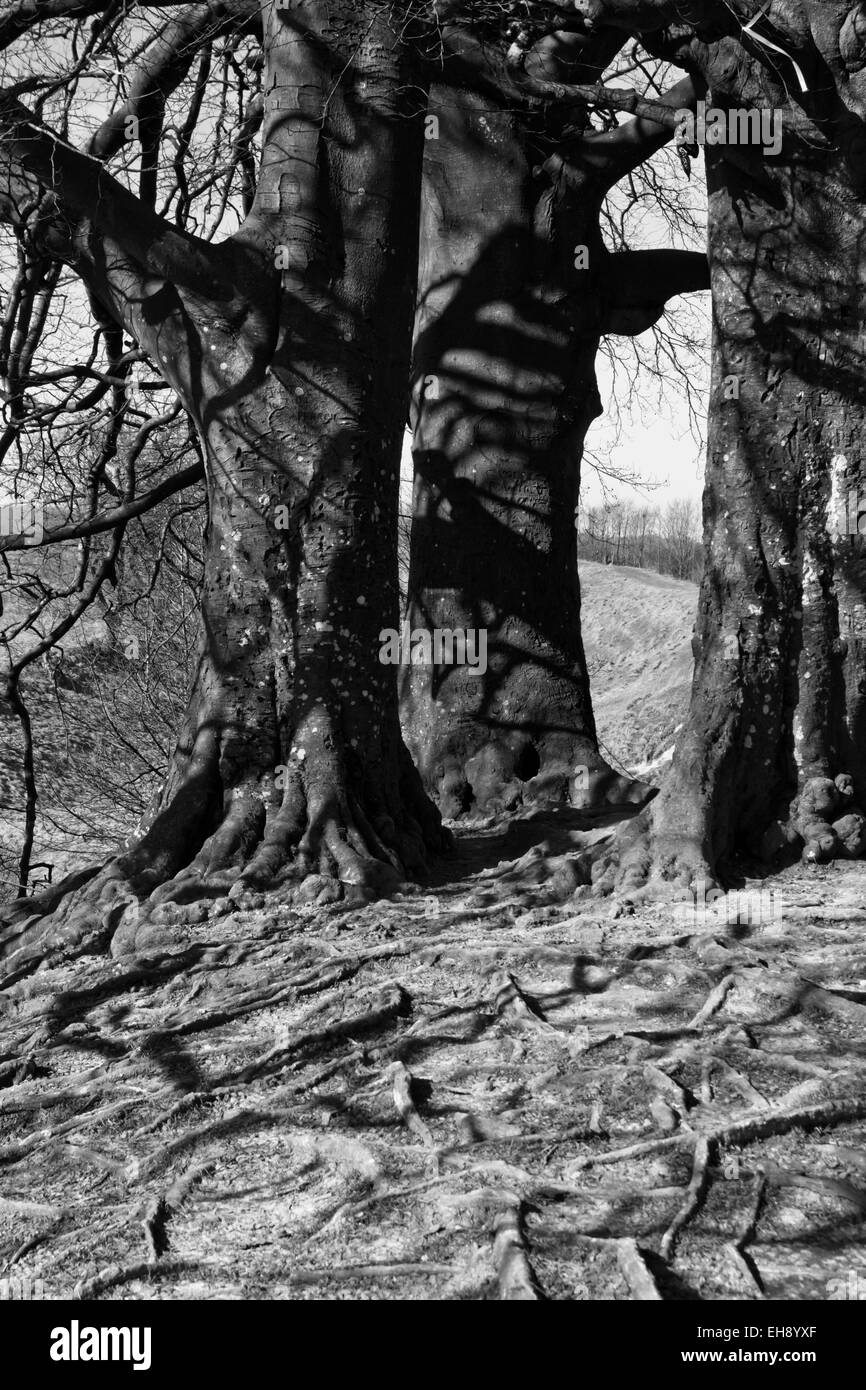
<point>597,94</point>
<point>637,285</point>
<point>106,521</point>
<point>163,67</point>
<point>27,13</point>
<point>637,16</point>
<point>641,277</point>
<point>627,146</point>
<point>85,189</point>
<point>459,58</point>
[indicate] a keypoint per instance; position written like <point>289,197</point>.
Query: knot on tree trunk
<point>852,39</point>
<point>827,820</point>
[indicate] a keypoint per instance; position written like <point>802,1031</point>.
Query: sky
<point>655,443</point>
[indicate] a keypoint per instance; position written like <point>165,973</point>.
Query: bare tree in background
<point>622,533</point>
<point>680,528</point>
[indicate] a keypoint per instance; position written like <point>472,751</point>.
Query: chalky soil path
<point>501,1087</point>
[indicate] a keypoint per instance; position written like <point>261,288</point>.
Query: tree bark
<point>291,773</point>
<point>778,695</point>
<point>515,291</point>
<point>772,758</point>
<point>505,391</point>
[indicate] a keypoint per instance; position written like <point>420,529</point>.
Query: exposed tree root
<point>713,1002</point>
<point>251,1065</point>
<point>830,1112</point>
<point>824,822</point>
<point>504,775</point>
<point>694,1196</point>
<point>516,1277</point>
<point>649,861</point>
<point>636,1273</point>
<point>333,837</point>
<point>743,1261</point>
<point>13,1153</point>
<point>161,1209</point>
<point>113,1276</point>
<point>666,853</point>
<point>401,1080</point>
<point>392,1269</point>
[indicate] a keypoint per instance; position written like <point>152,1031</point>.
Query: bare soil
<point>497,1087</point>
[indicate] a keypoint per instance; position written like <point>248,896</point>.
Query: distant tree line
<point>665,539</point>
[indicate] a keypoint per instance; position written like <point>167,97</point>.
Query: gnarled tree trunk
<point>778,692</point>
<point>772,755</point>
<point>515,291</point>
<point>504,356</point>
<point>291,773</point>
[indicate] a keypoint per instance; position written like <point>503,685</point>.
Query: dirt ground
<point>496,1087</point>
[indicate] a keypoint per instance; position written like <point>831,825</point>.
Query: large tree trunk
<point>509,320</point>
<point>775,732</point>
<point>291,772</point>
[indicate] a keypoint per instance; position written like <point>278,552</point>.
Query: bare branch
<point>163,67</point>
<point>638,284</point>
<point>638,277</point>
<point>85,189</point>
<point>106,521</point>
<point>27,13</point>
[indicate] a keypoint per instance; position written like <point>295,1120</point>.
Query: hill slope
<point>637,628</point>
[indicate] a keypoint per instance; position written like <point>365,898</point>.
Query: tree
<point>290,771</point>
<point>516,290</point>
<point>99,703</point>
<point>679,528</point>
<point>773,750</point>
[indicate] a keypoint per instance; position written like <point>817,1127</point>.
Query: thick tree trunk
<point>509,320</point>
<point>775,731</point>
<point>291,772</point>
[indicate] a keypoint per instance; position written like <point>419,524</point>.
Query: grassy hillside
<point>637,629</point>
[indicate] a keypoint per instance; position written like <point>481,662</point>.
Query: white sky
<point>655,443</point>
